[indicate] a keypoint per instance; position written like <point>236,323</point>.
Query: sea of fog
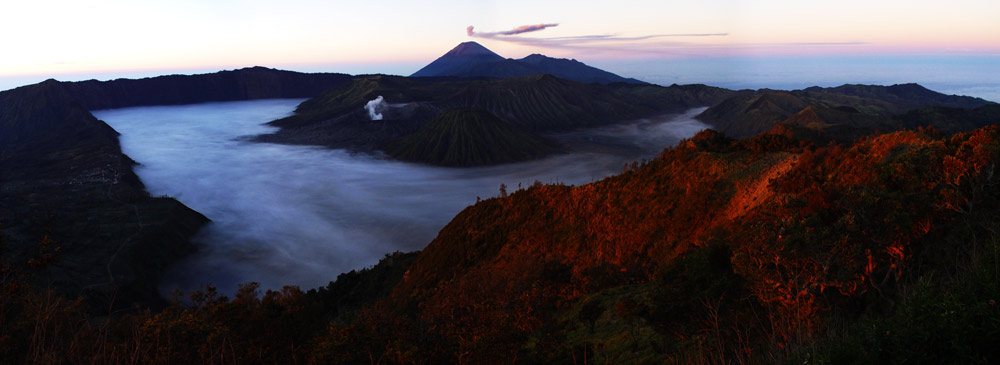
<point>301,215</point>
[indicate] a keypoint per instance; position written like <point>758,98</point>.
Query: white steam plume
<point>375,108</point>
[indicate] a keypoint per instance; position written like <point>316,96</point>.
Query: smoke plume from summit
<point>649,43</point>
<point>470,30</point>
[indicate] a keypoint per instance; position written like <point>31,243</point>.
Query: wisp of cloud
<point>470,30</point>
<point>650,44</point>
<point>594,42</point>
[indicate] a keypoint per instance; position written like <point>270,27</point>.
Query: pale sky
<point>57,37</point>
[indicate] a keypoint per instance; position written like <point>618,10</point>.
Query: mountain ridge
<point>855,109</point>
<point>230,85</point>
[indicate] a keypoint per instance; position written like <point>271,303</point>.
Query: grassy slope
<point>468,137</point>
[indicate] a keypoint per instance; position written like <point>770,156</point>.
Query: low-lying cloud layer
<point>301,215</point>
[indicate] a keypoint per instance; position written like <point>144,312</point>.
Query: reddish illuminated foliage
<point>733,249</point>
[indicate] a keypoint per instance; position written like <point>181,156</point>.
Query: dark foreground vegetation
<point>765,249</point>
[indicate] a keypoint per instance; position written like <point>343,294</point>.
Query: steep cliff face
<point>72,206</point>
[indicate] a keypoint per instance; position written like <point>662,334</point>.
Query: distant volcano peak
<point>458,60</point>
<point>470,49</point>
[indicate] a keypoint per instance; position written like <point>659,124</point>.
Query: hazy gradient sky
<point>117,37</point>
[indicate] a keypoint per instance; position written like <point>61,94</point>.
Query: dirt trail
<point>751,192</point>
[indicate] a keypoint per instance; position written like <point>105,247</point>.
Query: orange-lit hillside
<point>807,229</point>
<point>625,226</point>
<point>753,250</point>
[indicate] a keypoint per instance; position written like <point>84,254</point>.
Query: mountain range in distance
<point>471,59</point>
